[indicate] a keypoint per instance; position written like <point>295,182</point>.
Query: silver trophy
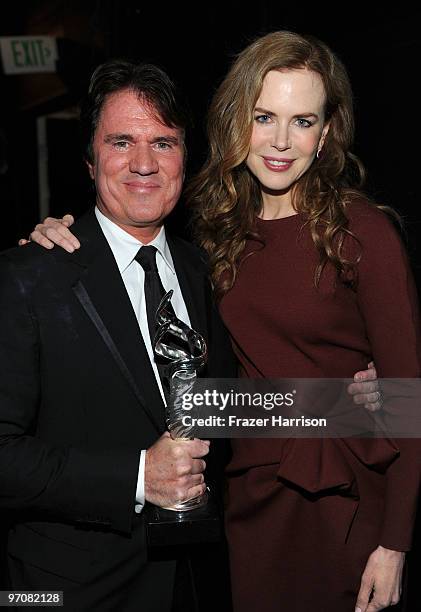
<point>185,353</point>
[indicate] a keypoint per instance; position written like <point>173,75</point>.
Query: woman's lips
<point>277,164</point>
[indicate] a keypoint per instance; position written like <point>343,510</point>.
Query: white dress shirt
<point>125,248</point>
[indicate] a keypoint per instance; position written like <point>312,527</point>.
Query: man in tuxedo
<point>82,431</point>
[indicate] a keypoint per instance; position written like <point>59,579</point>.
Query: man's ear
<point>91,169</point>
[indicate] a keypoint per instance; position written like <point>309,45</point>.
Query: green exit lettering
<point>29,53</point>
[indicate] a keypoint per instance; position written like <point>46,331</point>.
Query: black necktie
<point>154,291</point>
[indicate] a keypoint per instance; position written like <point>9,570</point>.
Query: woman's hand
<point>54,231</point>
<point>382,579</point>
<point>365,389</point>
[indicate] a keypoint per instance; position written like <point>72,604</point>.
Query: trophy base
<point>190,504</point>
<point>174,527</point>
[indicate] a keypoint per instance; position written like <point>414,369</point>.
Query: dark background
<point>195,43</point>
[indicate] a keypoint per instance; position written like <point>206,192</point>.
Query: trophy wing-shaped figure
<point>185,353</point>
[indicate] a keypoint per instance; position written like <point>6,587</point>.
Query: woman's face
<point>288,129</point>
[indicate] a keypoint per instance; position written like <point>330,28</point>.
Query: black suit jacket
<point>78,400</point>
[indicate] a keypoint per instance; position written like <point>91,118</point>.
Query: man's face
<point>138,165</point>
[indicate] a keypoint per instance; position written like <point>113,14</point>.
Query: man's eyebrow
<point>110,138</point>
<point>169,139</point>
<point>115,137</point>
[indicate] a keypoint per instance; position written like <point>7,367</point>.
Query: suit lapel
<point>192,284</point>
<point>102,294</point>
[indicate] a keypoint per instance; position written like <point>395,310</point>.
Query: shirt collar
<point>125,246</point>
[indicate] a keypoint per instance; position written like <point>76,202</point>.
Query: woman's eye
<point>305,123</point>
<point>262,118</point>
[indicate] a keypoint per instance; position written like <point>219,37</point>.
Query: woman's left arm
<point>388,301</point>
<point>382,577</point>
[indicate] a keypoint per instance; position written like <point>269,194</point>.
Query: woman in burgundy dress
<point>313,282</point>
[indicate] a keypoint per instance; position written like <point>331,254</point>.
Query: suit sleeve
<point>388,300</point>
<point>57,482</point>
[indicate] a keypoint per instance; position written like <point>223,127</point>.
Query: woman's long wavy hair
<point>225,196</point>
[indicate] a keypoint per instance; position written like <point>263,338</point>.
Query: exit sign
<point>24,54</point>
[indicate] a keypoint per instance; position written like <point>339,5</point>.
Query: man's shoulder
<point>188,250</point>
<point>24,268</point>
<point>84,224</point>
<point>30,256</point>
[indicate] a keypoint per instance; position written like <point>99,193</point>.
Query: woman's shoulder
<point>367,219</point>
<point>377,236</point>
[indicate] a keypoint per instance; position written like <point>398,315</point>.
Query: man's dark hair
<point>148,81</point>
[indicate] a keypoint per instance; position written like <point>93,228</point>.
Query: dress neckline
<point>269,225</point>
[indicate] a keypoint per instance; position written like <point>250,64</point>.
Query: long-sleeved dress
<point>304,515</point>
